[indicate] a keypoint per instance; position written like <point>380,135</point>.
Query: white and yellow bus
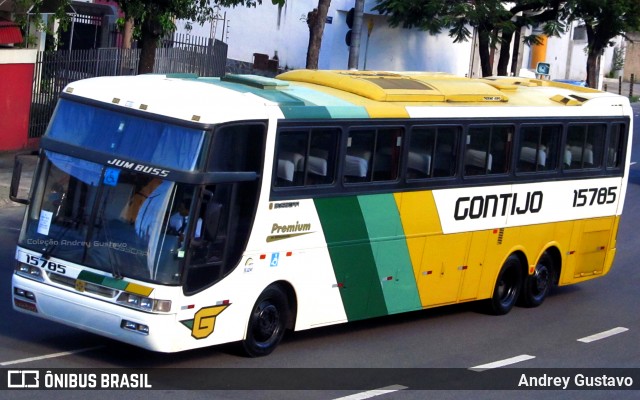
<point>176,212</point>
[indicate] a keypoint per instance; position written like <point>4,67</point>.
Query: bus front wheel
<point>537,286</point>
<point>267,323</point>
<point>507,289</point>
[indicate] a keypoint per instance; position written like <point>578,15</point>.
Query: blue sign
<point>111,176</point>
<point>275,257</point>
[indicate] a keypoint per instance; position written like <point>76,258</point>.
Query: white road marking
<point>373,393</point>
<point>62,354</point>
<point>603,335</point>
<point>502,363</point>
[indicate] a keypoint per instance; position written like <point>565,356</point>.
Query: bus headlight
<point>134,327</point>
<point>29,271</point>
<point>143,303</point>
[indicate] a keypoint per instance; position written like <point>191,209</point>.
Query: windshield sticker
<point>111,176</point>
<point>45,222</point>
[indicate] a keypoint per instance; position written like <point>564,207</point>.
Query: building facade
<point>284,32</point>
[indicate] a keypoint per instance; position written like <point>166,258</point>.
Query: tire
<point>537,286</point>
<point>267,323</point>
<point>507,289</point>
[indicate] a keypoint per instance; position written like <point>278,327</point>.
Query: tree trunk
<point>150,34</point>
<point>354,47</point>
<point>315,21</point>
<point>592,69</point>
<point>595,49</point>
<point>483,49</point>
<point>505,53</point>
<point>515,54</point>
<point>127,36</point>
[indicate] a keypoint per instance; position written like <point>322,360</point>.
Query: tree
<point>604,20</point>
<point>59,9</point>
<point>154,18</point>
<point>493,21</point>
<point>528,13</point>
<point>315,21</point>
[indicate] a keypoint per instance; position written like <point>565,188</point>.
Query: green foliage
<point>30,12</point>
<point>495,20</point>
<point>488,15</point>
<point>605,19</point>
<point>617,62</point>
<point>158,16</point>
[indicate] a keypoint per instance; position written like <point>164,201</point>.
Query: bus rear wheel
<point>267,323</point>
<point>507,289</point>
<point>537,285</point>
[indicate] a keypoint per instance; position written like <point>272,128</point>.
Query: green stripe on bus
<point>313,112</point>
<point>322,112</point>
<point>352,257</point>
<point>115,283</point>
<point>348,112</point>
<point>390,252</point>
<point>90,277</point>
<point>103,280</point>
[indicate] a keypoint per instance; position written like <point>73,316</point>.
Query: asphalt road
<point>559,334</point>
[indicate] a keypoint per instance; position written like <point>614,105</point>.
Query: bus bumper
<point>146,330</point>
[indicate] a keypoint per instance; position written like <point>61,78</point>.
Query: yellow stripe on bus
<point>139,289</point>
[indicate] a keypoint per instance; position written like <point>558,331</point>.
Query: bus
<point>173,212</point>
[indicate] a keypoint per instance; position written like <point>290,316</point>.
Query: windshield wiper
<point>115,271</point>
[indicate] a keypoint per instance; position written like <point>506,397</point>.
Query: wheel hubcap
<point>505,291</point>
<point>541,277</point>
<point>267,322</point>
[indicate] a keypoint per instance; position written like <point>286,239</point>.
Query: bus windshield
<point>127,136</point>
<point>117,222</point>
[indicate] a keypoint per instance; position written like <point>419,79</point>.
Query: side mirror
<point>17,175</point>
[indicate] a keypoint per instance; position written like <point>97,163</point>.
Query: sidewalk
<point>612,85</point>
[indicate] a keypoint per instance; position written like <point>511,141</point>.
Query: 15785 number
<point>589,197</point>
<point>44,263</point>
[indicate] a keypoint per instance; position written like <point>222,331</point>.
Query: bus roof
<point>315,94</point>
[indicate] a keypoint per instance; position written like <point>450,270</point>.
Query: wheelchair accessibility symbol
<point>275,257</point>
<point>111,176</point>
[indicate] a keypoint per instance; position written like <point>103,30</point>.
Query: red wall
<point>16,81</point>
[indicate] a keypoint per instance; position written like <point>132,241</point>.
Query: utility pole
<point>354,47</point>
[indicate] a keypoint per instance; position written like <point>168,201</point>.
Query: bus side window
<point>431,152</point>
<point>387,154</point>
<point>615,148</point>
<point>357,162</point>
<point>306,157</point>
<point>290,156</point>
<point>209,246</point>
<point>585,146</point>
<point>487,150</point>
<point>446,147</point>
<point>373,155</point>
<point>538,148</point>
<point>226,209</point>
<point>321,159</point>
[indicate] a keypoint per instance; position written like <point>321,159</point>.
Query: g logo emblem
<point>204,321</point>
